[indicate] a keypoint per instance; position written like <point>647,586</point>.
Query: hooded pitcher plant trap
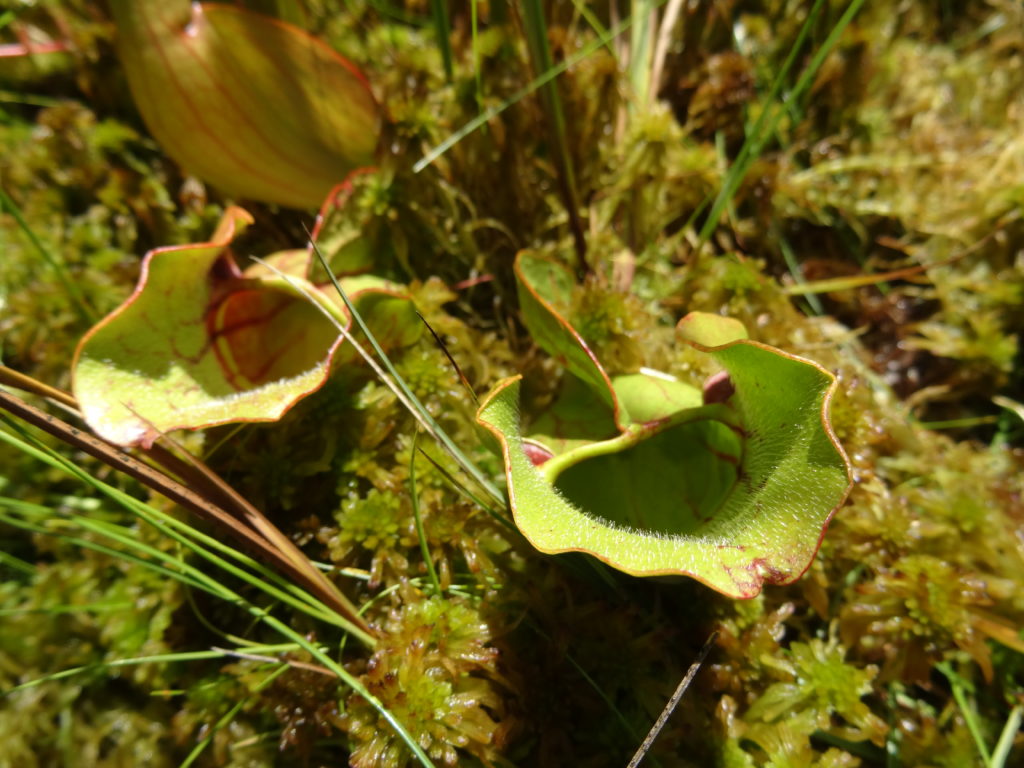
<point>733,485</point>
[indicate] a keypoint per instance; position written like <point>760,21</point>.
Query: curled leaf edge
<point>757,585</point>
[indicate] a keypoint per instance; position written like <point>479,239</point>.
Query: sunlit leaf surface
<point>735,493</point>
<point>251,104</point>
<point>200,342</point>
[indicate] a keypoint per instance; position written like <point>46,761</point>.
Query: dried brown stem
<point>213,503</point>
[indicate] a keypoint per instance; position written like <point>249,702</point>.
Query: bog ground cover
<point>402,383</point>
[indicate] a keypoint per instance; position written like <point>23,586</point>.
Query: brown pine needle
<point>254,529</point>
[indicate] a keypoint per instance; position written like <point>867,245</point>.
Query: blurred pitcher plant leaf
<point>253,105</point>
<point>202,342</point>
<point>733,484</point>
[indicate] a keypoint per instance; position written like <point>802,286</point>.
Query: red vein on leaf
<point>194,110</point>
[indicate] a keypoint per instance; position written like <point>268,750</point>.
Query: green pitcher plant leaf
<point>201,342</point>
<point>709,329</point>
<point>350,233</point>
<point>545,290</point>
<point>733,485</point>
<point>253,105</point>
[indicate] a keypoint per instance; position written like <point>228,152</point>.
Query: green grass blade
<point>228,717</point>
<point>353,683</point>
<point>960,688</point>
<point>401,389</point>
<point>56,265</point>
<point>208,583</point>
<point>462,489</point>
<point>640,50</point>
<point>56,610</point>
<point>304,602</point>
<point>521,94</point>
<point>16,563</point>
<point>584,10</point>
<point>551,100</point>
<point>247,524</point>
<point>17,522</point>
<point>314,605</point>
<point>474,26</point>
<point>159,658</point>
<point>442,28</point>
<point>28,99</point>
<point>770,115</point>
<point>798,275</point>
<point>1005,743</point>
<point>420,532</point>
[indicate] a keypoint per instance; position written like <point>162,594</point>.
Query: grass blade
<point>769,117</point>
<point>55,264</point>
<point>960,688</point>
<point>519,95</point>
<point>551,100</point>
<point>228,716</point>
<point>1005,743</point>
<point>200,580</point>
<point>442,28</point>
<point>16,564</point>
<point>160,658</point>
<point>474,26</point>
<point>184,496</point>
<point>395,382</point>
<point>462,489</point>
<point>639,71</point>
<point>420,532</point>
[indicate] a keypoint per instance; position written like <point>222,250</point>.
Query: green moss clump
<point>436,671</point>
<point>376,524</point>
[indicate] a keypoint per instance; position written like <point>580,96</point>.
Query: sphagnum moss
<point>437,668</point>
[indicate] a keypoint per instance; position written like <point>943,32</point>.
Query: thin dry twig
<point>673,701</point>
